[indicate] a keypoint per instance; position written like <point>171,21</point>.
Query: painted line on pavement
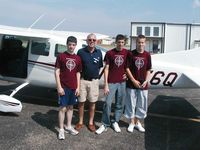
<point>173,117</point>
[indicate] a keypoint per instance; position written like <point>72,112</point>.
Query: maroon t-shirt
<point>117,62</point>
<point>139,64</point>
<point>69,65</point>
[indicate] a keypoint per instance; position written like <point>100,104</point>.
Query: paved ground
<point>173,123</point>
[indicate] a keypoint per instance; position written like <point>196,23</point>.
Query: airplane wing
<point>182,68</point>
<point>8,30</point>
<point>79,35</point>
<point>46,34</point>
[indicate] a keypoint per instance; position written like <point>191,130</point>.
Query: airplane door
<point>14,56</point>
<point>41,66</point>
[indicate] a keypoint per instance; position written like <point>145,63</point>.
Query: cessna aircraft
<point>27,56</point>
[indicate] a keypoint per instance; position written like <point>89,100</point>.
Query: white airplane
<point>176,69</point>
<point>27,56</point>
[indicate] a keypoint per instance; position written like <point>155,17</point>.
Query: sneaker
<point>139,127</point>
<point>101,129</point>
<point>131,127</point>
<point>71,131</point>
<point>116,127</point>
<point>61,134</point>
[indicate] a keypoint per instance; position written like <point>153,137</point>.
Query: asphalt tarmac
<point>173,123</point>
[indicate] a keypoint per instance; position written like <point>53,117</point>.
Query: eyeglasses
<point>92,40</point>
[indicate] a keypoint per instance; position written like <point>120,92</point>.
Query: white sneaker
<point>116,127</point>
<point>131,127</point>
<point>61,134</point>
<point>101,129</point>
<point>139,127</point>
<point>71,131</point>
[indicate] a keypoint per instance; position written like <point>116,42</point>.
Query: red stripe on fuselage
<point>42,63</point>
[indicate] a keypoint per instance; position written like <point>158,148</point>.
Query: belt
<point>89,79</point>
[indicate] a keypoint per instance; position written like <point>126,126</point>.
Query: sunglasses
<point>92,40</point>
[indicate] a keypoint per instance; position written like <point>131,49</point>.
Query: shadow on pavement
<point>7,88</point>
<point>168,132</point>
<point>32,94</point>
<point>48,120</point>
<point>9,114</point>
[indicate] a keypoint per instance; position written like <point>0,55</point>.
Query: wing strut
<point>9,103</point>
<point>18,88</point>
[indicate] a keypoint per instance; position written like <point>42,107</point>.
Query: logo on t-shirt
<point>96,60</point>
<point>119,60</point>
<point>70,64</point>
<point>139,63</point>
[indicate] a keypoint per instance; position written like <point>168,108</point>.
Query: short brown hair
<point>120,37</point>
<point>71,39</point>
<point>141,36</point>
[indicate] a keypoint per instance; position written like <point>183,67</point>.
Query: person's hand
<point>125,77</point>
<point>77,92</point>
<point>61,91</point>
<point>106,90</point>
<point>144,84</point>
<point>137,84</point>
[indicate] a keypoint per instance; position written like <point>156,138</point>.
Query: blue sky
<point>103,16</point>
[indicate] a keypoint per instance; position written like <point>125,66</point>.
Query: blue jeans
<point>119,91</point>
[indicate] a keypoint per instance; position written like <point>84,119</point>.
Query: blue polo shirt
<point>91,63</point>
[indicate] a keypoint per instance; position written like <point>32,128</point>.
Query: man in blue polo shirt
<point>91,58</point>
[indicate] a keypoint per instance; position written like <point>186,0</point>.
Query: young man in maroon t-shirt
<point>67,74</point>
<point>114,84</point>
<point>138,71</point>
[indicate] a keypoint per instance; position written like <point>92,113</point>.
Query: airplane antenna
<point>58,24</point>
<point>36,21</point>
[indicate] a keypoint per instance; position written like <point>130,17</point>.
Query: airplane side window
<point>101,48</point>
<point>40,48</point>
<point>60,49</point>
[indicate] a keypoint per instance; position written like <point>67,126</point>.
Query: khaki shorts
<point>89,90</point>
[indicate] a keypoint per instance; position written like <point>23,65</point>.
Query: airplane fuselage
<point>29,56</point>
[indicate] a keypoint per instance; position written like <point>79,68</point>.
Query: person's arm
<point>146,79</point>
<point>106,71</point>
<point>135,82</point>
<point>78,76</point>
<point>58,84</point>
<point>148,73</point>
